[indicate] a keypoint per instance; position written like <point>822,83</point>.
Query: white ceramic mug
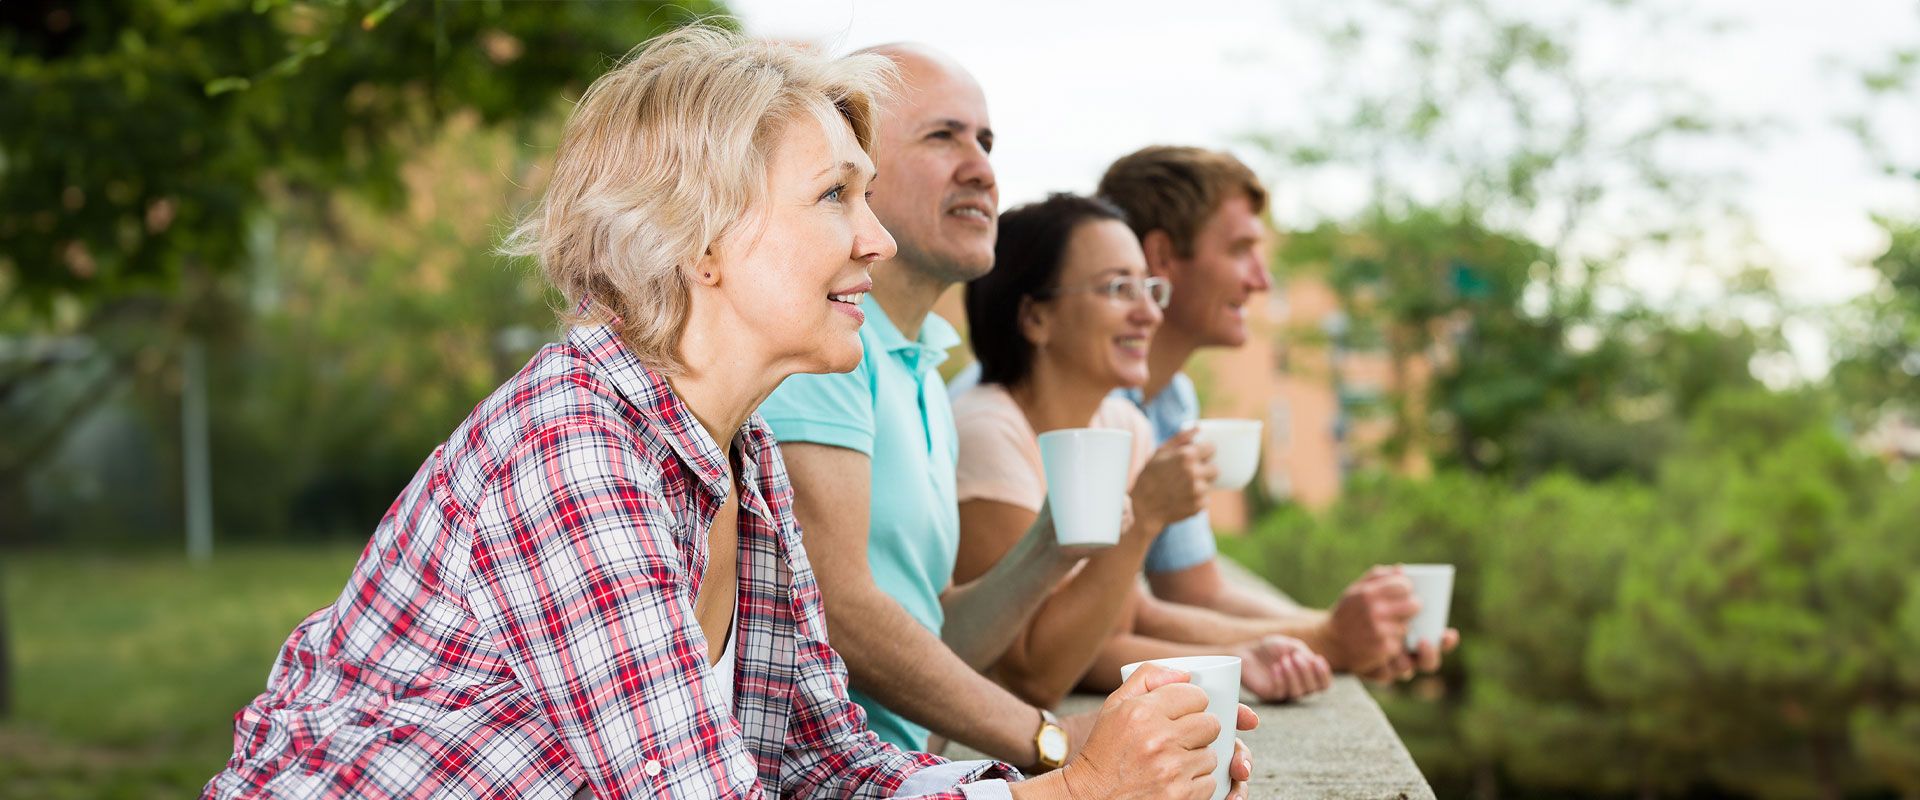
<point>1086,482</point>
<point>1433,587</point>
<point>1219,676</point>
<point>1236,449</point>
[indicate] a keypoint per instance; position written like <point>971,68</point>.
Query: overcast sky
<point>1070,91</point>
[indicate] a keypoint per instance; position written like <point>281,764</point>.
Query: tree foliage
<point>137,134</point>
<point>1508,177</point>
<point>1744,623</point>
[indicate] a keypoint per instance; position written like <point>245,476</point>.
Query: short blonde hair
<point>662,157</point>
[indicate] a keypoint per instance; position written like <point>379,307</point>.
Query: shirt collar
<point>937,336</point>
<point>1169,394</point>
<point>650,394</point>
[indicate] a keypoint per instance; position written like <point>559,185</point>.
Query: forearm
<point>898,662</point>
<point>1244,601</point>
<point>1178,622</point>
<point>1056,648</point>
<point>984,616</point>
<point>1126,648</point>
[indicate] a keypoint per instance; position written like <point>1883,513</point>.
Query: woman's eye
<point>833,194</point>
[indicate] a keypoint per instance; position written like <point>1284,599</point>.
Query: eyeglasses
<point>1121,289</point>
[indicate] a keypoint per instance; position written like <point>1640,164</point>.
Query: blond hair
<point>1175,189</point>
<point>663,156</point>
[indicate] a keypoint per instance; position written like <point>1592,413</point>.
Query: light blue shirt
<point>1189,542</point>
<point>892,408</point>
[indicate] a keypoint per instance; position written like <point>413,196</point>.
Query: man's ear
<point>1158,247</point>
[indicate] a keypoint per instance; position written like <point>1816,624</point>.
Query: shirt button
<point>652,768</point>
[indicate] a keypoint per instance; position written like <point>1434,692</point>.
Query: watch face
<point>1053,744</point>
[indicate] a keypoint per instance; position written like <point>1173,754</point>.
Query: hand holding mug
<point>1174,484</point>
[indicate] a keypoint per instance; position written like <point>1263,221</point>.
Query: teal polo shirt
<point>893,408</point>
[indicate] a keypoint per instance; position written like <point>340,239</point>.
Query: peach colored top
<point>1000,453</point>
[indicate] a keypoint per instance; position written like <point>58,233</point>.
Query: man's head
<point>1197,213</point>
<point>935,191</point>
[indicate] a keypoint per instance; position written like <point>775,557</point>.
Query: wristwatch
<point>1050,741</point>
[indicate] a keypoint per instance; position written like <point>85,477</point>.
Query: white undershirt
<point>722,671</point>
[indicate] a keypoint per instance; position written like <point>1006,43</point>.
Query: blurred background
<point>1615,304</point>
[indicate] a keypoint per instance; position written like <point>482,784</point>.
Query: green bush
<point>1748,622</point>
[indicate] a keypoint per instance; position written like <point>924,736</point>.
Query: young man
<point>1197,213</point>
<point>871,453</point>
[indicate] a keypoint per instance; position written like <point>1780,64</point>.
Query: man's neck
<point>1167,354</point>
<point>907,294</point>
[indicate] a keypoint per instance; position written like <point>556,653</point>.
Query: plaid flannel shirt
<point>521,624</point>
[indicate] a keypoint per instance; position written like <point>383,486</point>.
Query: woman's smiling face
<point>1083,330</point>
<point>797,266</point>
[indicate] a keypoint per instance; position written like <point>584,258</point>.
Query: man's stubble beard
<point>948,271</point>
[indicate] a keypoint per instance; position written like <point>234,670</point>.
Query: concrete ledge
<point>1337,744</point>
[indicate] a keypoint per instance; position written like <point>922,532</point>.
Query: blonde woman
<point>596,587</point>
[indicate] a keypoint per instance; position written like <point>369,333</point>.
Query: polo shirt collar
<point>937,336</point>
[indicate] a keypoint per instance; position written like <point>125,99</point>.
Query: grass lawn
<point>129,668</point>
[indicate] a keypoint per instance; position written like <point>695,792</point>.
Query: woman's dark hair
<point>1026,261</point>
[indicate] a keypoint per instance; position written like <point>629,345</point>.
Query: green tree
<point>1731,645</point>
<point>1506,178</point>
<point>380,330</point>
<point>1877,342</point>
<point>1880,566</point>
<point>139,138</point>
<point>1549,563</point>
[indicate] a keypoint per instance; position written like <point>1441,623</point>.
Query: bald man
<point>872,453</point>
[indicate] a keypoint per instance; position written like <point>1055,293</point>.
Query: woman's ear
<point>1035,322</point>
<point>705,270</point>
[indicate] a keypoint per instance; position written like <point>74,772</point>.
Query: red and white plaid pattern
<point>521,624</point>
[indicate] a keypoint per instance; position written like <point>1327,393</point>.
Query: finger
<point>1247,719</point>
<point>1176,700</point>
<point>1402,668</point>
<point>1319,677</point>
<point>1428,656</point>
<point>1146,679</point>
<point>1180,439</point>
<point>1195,731</point>
<point>1260,684</point>
<point>1242,767</point>
<point>1200,763</point>
<point>1199,787</point>
<point>1392,587</point>
<point>1449,640</point>
<point>1393,642</point>
<point>1204,450</point>
<point>1290,679</point>
<point>1302,680</point>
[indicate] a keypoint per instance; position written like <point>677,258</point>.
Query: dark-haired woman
<point>1062,321</point>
